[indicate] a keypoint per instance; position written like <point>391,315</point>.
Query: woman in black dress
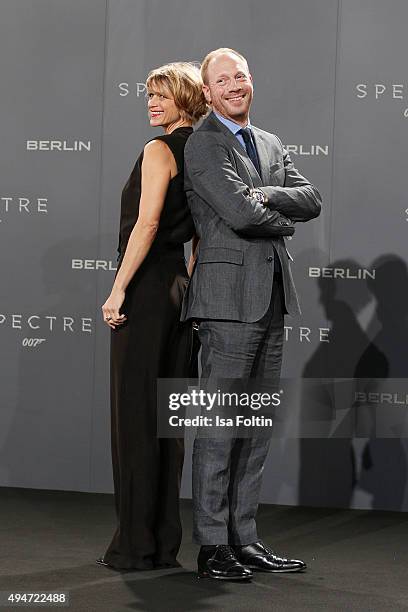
<point>148,341</point>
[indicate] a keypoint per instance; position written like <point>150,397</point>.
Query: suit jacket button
<point>270,258</point>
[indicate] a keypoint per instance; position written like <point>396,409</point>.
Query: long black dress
<point>152,343</point>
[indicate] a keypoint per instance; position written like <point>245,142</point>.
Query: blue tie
<point>250,147</point>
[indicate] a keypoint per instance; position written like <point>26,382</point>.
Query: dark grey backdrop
<point>330,79</point>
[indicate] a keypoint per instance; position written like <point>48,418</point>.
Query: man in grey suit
<point>245,195</point>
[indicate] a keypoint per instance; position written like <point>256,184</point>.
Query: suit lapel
<point>239,150</point>
<point>243,156</point>
<point>262,156</point>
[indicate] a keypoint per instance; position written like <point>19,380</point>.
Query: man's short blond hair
<point>211,55</point>
<point>183,81</point>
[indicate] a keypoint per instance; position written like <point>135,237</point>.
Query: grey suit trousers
<point>227,472</point>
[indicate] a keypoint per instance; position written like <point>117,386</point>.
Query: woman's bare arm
<point>157,168</point>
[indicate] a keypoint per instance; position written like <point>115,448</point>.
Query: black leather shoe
<point>259,557</point>
<point>221,564</point>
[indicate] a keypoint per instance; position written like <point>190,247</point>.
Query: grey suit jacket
<point>233,275</point>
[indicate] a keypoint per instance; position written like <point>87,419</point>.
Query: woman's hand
<point>111,308</point>
<point>191,265</point>
<point>194,249</point>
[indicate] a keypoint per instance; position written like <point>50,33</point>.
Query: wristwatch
<point>259,195</point>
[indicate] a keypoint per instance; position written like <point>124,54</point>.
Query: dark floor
<point>357,560</point>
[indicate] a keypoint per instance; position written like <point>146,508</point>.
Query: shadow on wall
<point>338,467</point>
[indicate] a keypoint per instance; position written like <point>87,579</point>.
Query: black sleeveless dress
<point>152,343</point>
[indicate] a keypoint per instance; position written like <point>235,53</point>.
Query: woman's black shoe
<point>101,561</point>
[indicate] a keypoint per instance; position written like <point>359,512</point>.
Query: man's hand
<point>297,199</point>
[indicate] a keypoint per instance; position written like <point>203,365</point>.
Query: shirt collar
<point>231,125</point>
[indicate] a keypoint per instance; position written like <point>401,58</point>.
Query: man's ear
<point>207,94</point>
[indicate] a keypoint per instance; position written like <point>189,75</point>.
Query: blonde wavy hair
<point>183,81</point>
